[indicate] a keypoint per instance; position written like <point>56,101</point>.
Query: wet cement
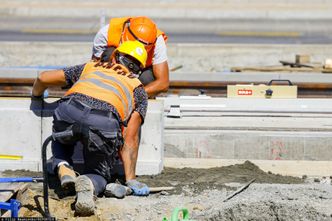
<point>191,187</point>
<point>215,178</point>
<point>197,179</point>
<point>188,182</point>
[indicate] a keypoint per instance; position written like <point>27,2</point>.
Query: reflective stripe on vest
<point>123,87</point>
<point>115,30</point>
<point>109,86</point>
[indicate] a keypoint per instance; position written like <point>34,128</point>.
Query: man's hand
<point>46,79</point>
<point>161,82</point>
<point>138,188</point>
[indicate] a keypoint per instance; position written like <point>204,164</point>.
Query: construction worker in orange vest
<point>105,106</point>
<point>155,76</point>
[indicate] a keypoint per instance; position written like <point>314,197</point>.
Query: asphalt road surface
<point>233,31</point>
<point>257,38</point>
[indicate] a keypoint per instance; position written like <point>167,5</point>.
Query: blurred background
<point>186,21</point>
<point>204,36</point>
<point>60,32</point>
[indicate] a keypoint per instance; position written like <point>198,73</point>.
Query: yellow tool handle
<point>10,157</point>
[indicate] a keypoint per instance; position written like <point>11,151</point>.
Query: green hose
<point>175,215</point>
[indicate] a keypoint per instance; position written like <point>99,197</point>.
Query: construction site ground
<point>202,191</point>
<point>230,42</point>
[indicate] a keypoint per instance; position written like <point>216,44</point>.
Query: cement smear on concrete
<point>201,191</point>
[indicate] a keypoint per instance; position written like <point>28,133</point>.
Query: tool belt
<point>80,105</point>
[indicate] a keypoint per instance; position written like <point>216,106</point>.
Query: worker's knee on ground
<point>107,54</point>
<point>147,76</point>
<point>99,183</point>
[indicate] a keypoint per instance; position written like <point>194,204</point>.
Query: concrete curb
<point>25,126</point>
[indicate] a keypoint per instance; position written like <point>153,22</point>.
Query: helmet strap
<point>129,62</point>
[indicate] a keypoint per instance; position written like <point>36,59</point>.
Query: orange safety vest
<point>112,85</point>
<point>115,31</point>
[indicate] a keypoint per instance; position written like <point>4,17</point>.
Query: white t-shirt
<point>100,45</point>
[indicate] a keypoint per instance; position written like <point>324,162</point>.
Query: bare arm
<point>129,151</point>
<point>100,43</point>
<point>46,79</point>
<point>161,82</point>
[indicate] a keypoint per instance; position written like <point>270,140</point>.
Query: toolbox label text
<point>244,92</point>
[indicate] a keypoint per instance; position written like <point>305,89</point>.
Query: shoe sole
<point>85,204</point>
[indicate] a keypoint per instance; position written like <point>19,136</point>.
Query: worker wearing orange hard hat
<point>155,76</point>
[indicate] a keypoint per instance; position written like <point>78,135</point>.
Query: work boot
<point>67,177</point>
<point>85,204</point>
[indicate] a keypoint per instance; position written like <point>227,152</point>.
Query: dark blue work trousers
<point>100,133</point>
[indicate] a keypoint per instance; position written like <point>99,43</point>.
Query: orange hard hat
<point>141,29</point>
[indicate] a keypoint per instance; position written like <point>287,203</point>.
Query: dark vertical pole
<point>45,175</point>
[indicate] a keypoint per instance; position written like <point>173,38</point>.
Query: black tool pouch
<point>62,126</point>
<point>101,151</point>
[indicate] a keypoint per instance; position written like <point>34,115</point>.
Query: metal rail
<point>21,87</point>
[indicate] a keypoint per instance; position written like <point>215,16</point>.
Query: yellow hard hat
<point>134,49</point>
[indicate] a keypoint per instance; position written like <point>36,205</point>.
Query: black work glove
<point>44,95</point>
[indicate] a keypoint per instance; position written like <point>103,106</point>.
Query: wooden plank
<point>277,69</point>
<point>295,64</point>
<point>327,70</point>
<point>7,190</point>
<point>302,58</point>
